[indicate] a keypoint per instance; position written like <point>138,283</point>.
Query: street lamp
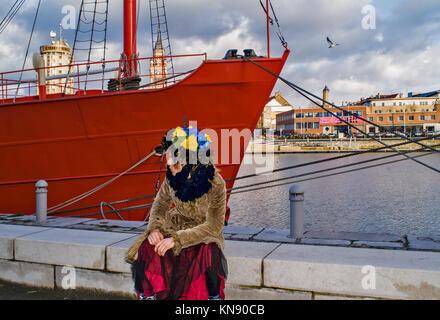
<point>404,121</point>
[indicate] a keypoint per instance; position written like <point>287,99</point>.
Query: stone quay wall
<point>263,264</point>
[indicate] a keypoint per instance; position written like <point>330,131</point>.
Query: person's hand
<point>163,246</point>
<point>155,237</point>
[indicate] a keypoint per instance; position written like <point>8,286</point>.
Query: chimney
<point>326,95</point>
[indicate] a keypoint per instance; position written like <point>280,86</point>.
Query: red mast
<point>130,53</point>
<point>267,26</point>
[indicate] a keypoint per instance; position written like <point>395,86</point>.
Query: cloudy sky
<point>396,52</point>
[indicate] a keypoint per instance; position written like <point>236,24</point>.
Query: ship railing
<point>94,78</point>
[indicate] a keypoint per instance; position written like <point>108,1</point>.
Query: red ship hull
<point>79,142</point>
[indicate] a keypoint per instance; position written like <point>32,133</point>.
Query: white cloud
<point>379,37</point>
<point>237,37</point>
<point>401,54</point>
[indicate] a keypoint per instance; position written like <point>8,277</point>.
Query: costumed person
<point>179,256</point>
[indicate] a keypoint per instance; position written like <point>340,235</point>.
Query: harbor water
<point>400,198</point>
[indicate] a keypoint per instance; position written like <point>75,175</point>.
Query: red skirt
<point>195,274</point>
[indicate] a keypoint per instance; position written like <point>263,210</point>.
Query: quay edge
<point>326,266</point>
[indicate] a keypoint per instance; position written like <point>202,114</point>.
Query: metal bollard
<point>41,201</point>
<point>296,197</point>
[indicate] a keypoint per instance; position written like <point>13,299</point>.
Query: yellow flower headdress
<point>190,139</point>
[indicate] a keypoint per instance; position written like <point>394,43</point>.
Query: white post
<point>41,201</point>
<point>296,197</point>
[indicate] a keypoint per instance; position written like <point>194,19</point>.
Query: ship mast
<point>130,29</point>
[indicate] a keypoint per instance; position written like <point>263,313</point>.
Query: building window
<point>422,117</point>
<point>370,118</point>
<point>433,117</point>
<point>374,104</point>
<point>391,118</point>
<point>383,104</point>
<point>316,125</point>
<point>380,119</point>
<point>400,118</point>
<point>411,117</point>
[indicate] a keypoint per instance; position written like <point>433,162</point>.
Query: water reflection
<point>399,198</point>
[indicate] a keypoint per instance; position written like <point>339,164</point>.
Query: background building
<point>57,57</point>
<point>415,115</point>
<point>276,105</point>
<point>317,121</point>
<point>158,65</point>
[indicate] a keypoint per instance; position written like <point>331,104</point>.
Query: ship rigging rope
<point>105,45</point>
<point>27,50</point>
<point>278,32</point>
<point>11,14</point>
<point>73,49</point>
<point>90,47</point>
<point>90,192</point>
<point>303,92</point>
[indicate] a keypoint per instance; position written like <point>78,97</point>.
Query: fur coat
<point>189,223</point>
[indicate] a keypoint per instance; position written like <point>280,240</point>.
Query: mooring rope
<point>301,90</point>
<point>352,154</point>
<point>92,191</point>
<point>231,191</point>
<point>334,168</point>
<point>236,190</point>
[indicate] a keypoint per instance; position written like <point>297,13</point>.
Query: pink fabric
<point>180,277</point>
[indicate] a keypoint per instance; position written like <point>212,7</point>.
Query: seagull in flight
<point>331,43</point>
